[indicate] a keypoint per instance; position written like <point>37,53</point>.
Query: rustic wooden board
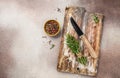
<point>92,31</point>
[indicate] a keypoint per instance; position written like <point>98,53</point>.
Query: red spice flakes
<point>51,27</point>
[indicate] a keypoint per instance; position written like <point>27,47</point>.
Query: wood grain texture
<point>89,47</point>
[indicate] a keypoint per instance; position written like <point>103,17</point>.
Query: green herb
<point>82,60</point>
<point>95,19</point>
<point>52,46</point>
<point>72,43</point>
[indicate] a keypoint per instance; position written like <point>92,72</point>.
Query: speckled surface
<point>24,53</point>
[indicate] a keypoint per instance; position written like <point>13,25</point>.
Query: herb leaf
<point>95,19</point>
<point>52,46</point>
<point>82,60</point>
<point>72,43</point>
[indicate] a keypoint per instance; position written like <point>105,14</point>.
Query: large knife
<point>83,38</point>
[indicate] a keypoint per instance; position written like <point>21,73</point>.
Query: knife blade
<point>83,38</point>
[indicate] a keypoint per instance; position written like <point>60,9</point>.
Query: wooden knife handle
<point>87,43</point>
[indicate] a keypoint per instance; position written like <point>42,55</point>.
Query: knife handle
<point>87,43</point>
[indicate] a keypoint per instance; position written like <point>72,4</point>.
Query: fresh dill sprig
<point>95,19</point>
<point>72,43</point>
<point>82,60</point>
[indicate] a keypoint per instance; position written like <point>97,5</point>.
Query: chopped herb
<point>82,60</point>
<point>95,19</point>
<point>58,10</point>
<point>52,46</point>
<point>72,43</point>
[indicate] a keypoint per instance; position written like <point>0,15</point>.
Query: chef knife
<point>83,38</point>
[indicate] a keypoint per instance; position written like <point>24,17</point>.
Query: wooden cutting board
<point>67,60</point>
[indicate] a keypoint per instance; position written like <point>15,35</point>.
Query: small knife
<point>83,38</point>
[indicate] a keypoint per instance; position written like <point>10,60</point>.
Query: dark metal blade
<point>76,27</point>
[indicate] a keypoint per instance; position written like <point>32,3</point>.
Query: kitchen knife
<point>83,38</point>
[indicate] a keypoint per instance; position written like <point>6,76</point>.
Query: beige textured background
<point>25,54</point>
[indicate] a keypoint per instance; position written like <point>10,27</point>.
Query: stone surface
<point>24,53</point>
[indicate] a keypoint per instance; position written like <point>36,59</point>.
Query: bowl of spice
<point>52,28</point>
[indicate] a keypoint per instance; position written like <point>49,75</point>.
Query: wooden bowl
<point>52,28</point>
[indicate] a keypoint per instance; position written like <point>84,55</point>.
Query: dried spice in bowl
<point>52,27</point>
